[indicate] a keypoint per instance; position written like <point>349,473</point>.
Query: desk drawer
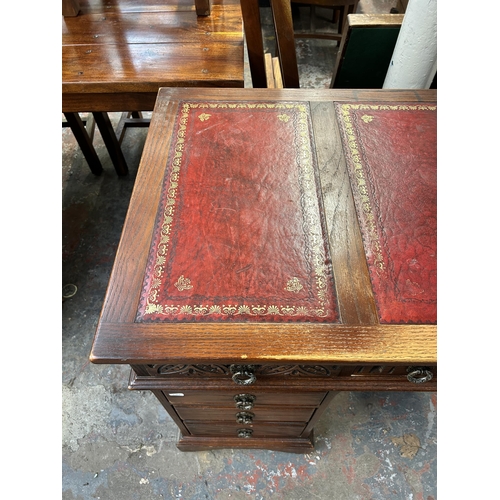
<point>226,398</point>
<point>317,378</point>
<point>228,429</point>
<point>262,414</point>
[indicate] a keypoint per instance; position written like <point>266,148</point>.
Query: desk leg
<point>84,141</point>
<point>111,141</point>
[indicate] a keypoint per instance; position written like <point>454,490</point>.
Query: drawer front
<point>296,378</point>
<point>256,415</point>
<point>228,429</point>
<point>247,375</point>
<point>226,398</point>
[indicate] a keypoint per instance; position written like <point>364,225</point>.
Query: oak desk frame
<point>298,366</point>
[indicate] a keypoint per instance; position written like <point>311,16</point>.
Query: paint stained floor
<point>120,444</point>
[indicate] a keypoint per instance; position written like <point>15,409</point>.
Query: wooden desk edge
<point>382,95</point>
<point>335,344</point>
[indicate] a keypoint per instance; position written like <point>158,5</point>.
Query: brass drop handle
<point>245,417</point>
<point>243,374</point>
<point>419,374</point>
<point>245,433</point>
<point>244,401</point>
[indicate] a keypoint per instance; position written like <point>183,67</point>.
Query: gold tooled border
<point>311,212</point>
<point>359,174</point>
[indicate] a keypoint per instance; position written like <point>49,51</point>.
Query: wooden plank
<point>292,384</point>
<point>126,282</point>
<point>311,95</point>
<point>318,35</point>
<point>354,294</point>
<point>278,80</point>
<point>269,70</point>
<point>149,343</point>
<point>289,445</point>
<point>124,6</point>
<point>374,20</point>
<point>133,101</point>
<point>86,68</point>
<point>225,24</point>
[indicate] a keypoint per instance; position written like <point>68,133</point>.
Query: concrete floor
<point>120,445</point>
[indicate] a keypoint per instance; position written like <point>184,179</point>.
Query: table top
<point>276,226</point>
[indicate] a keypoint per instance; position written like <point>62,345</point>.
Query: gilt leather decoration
<point>239,235</point>
<point>391,156</point>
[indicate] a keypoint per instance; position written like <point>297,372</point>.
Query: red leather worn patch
<point>392,159</point>
<point>239,234</point>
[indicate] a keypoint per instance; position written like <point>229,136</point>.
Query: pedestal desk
<point>279,247</point>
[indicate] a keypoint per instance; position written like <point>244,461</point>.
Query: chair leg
<point>344,11</point>
<point>285,42</point>
<point>111,141</point>
<point>253,34</point>
<point>84,141</point>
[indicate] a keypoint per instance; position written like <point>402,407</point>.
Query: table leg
<point>111,142</point>
<point>84,141</point>
<point>70,8</point>
<point>203,7</point>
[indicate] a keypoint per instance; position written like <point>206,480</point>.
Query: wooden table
<point>116,55</point>
<point>280,246</point>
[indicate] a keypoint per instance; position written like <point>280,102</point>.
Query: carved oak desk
<point>280,246</point>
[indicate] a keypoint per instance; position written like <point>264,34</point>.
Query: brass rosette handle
<point>419,374</point>
<point>245,417</point>
<point>244,433</point>
<point>244,401</point>
<point>243,374</point>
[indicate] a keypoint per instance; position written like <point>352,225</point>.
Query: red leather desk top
<point>392,159</point>
<point>239,233</point>
<point>224,253</point>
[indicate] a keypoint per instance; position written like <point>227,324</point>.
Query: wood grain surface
<point>127,50</point>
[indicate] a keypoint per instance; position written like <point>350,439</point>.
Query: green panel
<point>367,57</point>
